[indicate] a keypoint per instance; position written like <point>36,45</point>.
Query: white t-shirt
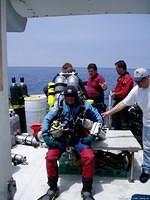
<point>141,96</point>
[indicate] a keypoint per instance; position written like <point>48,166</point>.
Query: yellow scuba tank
<point>51,94</point>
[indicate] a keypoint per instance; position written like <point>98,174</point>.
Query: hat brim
<point>138,79</point>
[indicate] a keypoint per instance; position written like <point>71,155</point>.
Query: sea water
<point>38,77</point>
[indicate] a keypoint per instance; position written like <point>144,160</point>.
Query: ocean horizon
<point>38,77</point>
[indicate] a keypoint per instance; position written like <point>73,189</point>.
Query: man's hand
<point>113,110</point>
<point>103,86</point>
<point>105,114</point>
<point>113,95</point>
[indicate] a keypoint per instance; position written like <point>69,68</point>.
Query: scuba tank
<point>23,90</point>
<point>60,84</point>
<point>17,103</point>
<point>14,92</point>
<point>18,159</point>
<point>23,87</point>
<point>73,80</point>
<point>27,139</point>
<point>51,94</point>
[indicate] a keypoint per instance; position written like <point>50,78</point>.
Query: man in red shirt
<point>124,84</point>
<point>95,87</point>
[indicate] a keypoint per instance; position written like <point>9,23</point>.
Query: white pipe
<point>109,107</point>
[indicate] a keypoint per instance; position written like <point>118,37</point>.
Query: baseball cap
<point>70,91</point>
<point>140,73</point>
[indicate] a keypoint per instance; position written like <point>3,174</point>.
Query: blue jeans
<point>146,150</point>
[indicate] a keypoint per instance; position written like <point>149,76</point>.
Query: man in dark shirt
<point>124,84</point>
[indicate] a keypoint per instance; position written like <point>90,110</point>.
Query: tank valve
<point>18,159</point>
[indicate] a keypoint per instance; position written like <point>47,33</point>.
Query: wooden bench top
<point>118,140</point>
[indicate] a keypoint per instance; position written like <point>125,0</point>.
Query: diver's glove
<point>51,143</point>
<point>88,139</point>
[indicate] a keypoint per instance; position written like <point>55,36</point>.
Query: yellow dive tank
<point>51,94</point>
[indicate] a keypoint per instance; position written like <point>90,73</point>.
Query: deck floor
<point>31,180</point>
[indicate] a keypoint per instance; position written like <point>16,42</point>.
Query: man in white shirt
<point>140,94</point>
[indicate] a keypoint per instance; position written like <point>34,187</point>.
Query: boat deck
<point>31,180</point>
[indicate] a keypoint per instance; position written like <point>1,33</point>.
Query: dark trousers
<point>120,120</point>
<point>99,103</point>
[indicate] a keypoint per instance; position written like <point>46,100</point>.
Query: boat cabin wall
<point>5,144</point>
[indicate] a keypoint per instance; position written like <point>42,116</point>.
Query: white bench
<point>122,140</point>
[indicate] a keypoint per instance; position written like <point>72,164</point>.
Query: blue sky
<point>102,39</point>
